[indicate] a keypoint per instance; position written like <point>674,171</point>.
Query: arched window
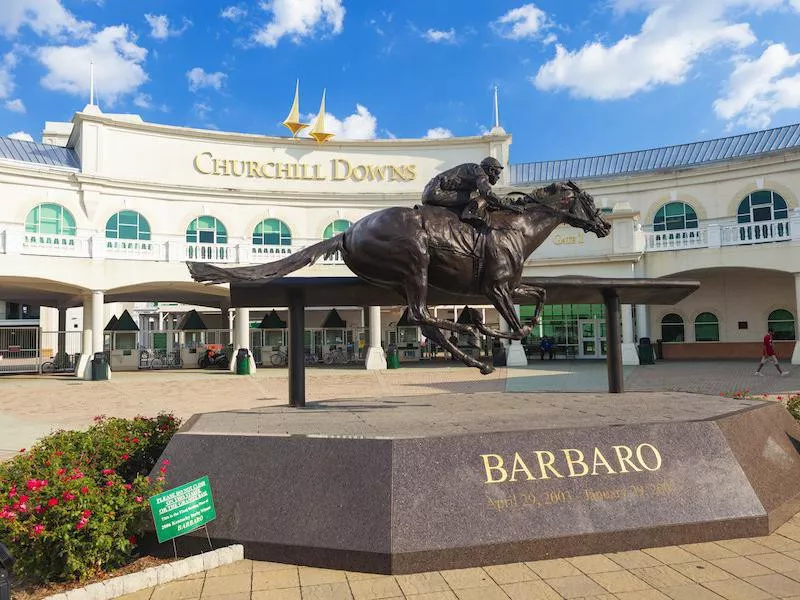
<point>335,228</point>
<point>51,219</point>
<point>128,225</point>
<point>782,324</point>
<point>763,205</point>
<point>706,327</point>
<point>672,328</point>
<point>675,215</point>
<point>206,230</point>
<point>272,232</point>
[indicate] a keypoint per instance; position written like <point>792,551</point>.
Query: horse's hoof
<point>486,369</point>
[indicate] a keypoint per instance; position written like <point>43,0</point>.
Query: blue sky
<point>575,77</point>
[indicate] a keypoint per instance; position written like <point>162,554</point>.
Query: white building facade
<point>106,211</point>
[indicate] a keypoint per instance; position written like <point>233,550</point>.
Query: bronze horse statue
<point>431,246</point>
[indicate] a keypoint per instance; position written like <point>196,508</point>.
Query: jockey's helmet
<point>492,168</point>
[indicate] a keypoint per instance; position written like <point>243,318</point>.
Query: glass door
<point>591,338</point>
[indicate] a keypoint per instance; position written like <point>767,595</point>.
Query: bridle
<point>568,215</point>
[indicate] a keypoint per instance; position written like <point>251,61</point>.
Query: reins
<point>569,217</point>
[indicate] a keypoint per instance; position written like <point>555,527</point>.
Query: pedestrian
<point>768,354</point>
<point>546,345</point>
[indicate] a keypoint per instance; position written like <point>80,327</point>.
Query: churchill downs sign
<point>338,169</point>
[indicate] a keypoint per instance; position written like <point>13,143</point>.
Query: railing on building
<point>720,233</point>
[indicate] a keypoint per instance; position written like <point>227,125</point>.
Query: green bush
<point>75,503</point>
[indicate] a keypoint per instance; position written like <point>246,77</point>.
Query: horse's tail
<point>212,274</point>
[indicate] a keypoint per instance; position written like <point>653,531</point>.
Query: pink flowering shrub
<point>793,405</point>
<point>75,503</point>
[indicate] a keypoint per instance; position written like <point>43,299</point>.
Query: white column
<point>516,353</point>
<point>241,338</point>
<point>629,354</point>
<point>376,359</point>
<point>641,322</point>
<point>796,352</point>
<point>98,304</point>
<point>82,370</point>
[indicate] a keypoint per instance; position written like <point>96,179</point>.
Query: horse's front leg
<point>540,294</point>
<point>501,299</point>
<point>436,336</point>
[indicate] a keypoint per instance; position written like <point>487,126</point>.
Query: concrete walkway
<point>745,569</point>
<point>753,569</point>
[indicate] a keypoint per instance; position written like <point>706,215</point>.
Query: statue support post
<point>613,341</point>
<point>297,363</point>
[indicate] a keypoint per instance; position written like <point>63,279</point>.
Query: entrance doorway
<point>591,338</point>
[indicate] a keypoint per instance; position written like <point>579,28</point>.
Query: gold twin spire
<point>293,124</point>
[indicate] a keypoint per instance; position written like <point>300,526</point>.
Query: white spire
<point>496,109</point>
<point>497,130</point>
<point>91,108</point>
<point>91,85</point>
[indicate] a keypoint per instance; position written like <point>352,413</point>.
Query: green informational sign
<point>182,509</point>
<point>159,341</point>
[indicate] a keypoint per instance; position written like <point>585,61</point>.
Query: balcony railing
<point>14,240</point>
<point>716,234</point>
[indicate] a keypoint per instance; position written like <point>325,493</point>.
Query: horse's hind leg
<point>436,336</point>
<point>416,293</point>
<point>524,289</point>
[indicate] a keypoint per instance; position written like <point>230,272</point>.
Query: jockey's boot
<point>471,214</point>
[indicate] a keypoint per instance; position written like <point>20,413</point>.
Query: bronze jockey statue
<point>465,186</point>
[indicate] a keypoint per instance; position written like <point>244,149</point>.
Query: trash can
<point>646,352</point>
<point>499,355</point>
<point>99,367</point>
<point>392,358</point>
<point>243,362</point>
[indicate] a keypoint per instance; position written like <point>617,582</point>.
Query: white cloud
<point>233,13</point>
<point>201,110</point>
<point>15,105</point>
<point>44,17</point>
<point>21,135</point>
<point>438,133</point>
<point>7,64</point>
<point>159,26</point>
<point>117,65</point>
<point>527,21</point>
<point>299,19</point>
<point>675,34</point>
<point>435,35</point>
<point>759,88</point>
<point>198,78</point>
<point>361,125</point>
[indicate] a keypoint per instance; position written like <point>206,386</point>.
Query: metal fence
<point>19,350</point>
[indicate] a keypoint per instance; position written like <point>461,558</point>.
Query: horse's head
<point>576,205</point>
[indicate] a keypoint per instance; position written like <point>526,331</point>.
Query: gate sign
<point>182,509</point>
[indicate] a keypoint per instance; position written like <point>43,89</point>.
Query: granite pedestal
<point>402,485</point>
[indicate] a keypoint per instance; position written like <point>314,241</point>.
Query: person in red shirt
<point>768,354</point>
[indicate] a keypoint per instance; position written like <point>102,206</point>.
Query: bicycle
<point>279,359</point>
<point>336,356</point>
<point>60,363</point>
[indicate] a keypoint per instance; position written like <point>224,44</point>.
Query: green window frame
<point>763,205</point>
<point>335,228</point>
<point>206,230</point>
<point>673,216</point>
<point>272,232</point>
<point>706,327</point>
<point>52,219</point>
<point>672,328</point>
<point>781,322</point>
<point>128,225</point>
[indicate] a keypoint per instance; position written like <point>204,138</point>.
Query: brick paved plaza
<point>751,569</point>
